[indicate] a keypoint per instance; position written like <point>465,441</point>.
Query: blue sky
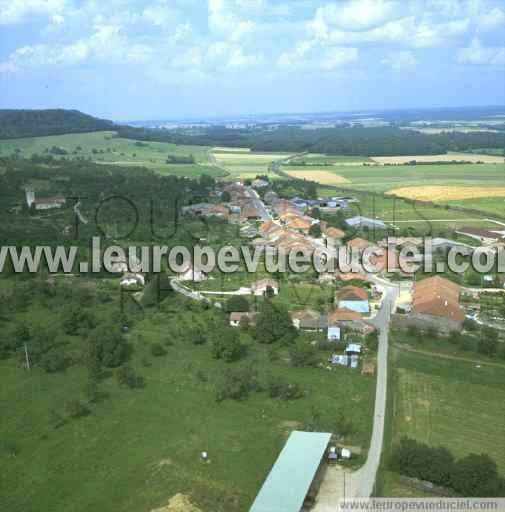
<point>159,59</point>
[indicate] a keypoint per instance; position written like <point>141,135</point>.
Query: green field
<point>246,164</point>
<point>381,179</point>
<point>136,449</point>
<point>106,148</point>
<point>450,403</point>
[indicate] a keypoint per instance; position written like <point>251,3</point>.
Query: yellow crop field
<point>446,193</point>
<point>449,157</point>
<point>323,177</point>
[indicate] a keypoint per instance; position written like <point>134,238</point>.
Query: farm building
<point>296,474</point>
<point>482,235</point>
<point>435,305</point>
<point>365,222</point>
<point>309,320</point>
<point>190,273</point>
<point>353,298</point>
<point>238,319</point>
<point>334,334</point>
<point>46,203</point>
<point>261,286</point>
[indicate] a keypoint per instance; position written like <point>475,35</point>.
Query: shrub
<point>157,350</point>
<point>76,409</point>
<point>237,384</point>
<point>53,361</point>
<point>126,376</point>
<point>304,354</point>
<point>237,303</point>
<point>278,387</point>
<point>226,345</point>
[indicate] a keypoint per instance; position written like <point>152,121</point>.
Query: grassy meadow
<point>245,164</point>
<point>451,403</point>
<point>138,448</point>
<point>107,148</point>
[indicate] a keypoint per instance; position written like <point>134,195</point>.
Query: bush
<point>237,303</point>
<point>238,383</point>
<point>304,354</point>
<point>8,448</point>
<point>277,387</point>
<point>76,409</point>
<point>53,361</point>
<point>157,350</point>
<point>226,345</point>
<point>126,376</point>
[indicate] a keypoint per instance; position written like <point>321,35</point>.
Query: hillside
<point>36,123</point>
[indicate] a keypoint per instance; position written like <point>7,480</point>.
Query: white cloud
<point>477,54</point>
<point>223,21</point>
<point>225,55</point>
<point>15,11</point>
<point>308,55</point>
<point>400,60</point>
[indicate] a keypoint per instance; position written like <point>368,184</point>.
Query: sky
<point>173,59</point>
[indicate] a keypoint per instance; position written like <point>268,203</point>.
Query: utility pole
<point>27,357</point>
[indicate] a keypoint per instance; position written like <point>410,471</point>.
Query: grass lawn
<point>449,403</point>
<point>136,449</point>
<point>106,148</point>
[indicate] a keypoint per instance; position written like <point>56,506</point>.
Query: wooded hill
<point>37,123</point>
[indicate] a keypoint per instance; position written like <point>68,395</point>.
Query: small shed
<point>333,333</point>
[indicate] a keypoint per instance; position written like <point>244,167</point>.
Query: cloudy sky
<point>126,59</point>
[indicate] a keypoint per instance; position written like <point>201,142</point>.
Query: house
<point>331,232</point>
<point>353,298</point>
<point>445,244</point>
<point>354,361</point>
<point>353,348</point>
<point>190,273</point>
<point>365,222</point>
<point>340,360</point>
<point>270,197</point>
<point>334,334</point>
<point>46,203</point>
<point>359,244</point>
<point>132,281</point>
<point>484,236</point>
<point>309,320</point>
<point>435,305</point>
<point>218,210</point>
<point>261,286</point>
<point>259,183</point>
<point>237,319</point>
<point>250,213</point>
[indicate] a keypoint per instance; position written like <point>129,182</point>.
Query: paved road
<point>364,478</point>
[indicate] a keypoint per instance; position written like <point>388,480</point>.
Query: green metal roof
<point>290,479</point>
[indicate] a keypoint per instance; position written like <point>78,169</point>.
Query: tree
<point>472,474</point>
<point>226,345</point>
<point>273,323</point>
<point>304,354</point>
<point>315,231</point>
<point>488,343</point>
<point>76,319</point>
<point>237,303</point>
<point>110,345</point>
<point>225,197</point>
<point>52,361</point>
